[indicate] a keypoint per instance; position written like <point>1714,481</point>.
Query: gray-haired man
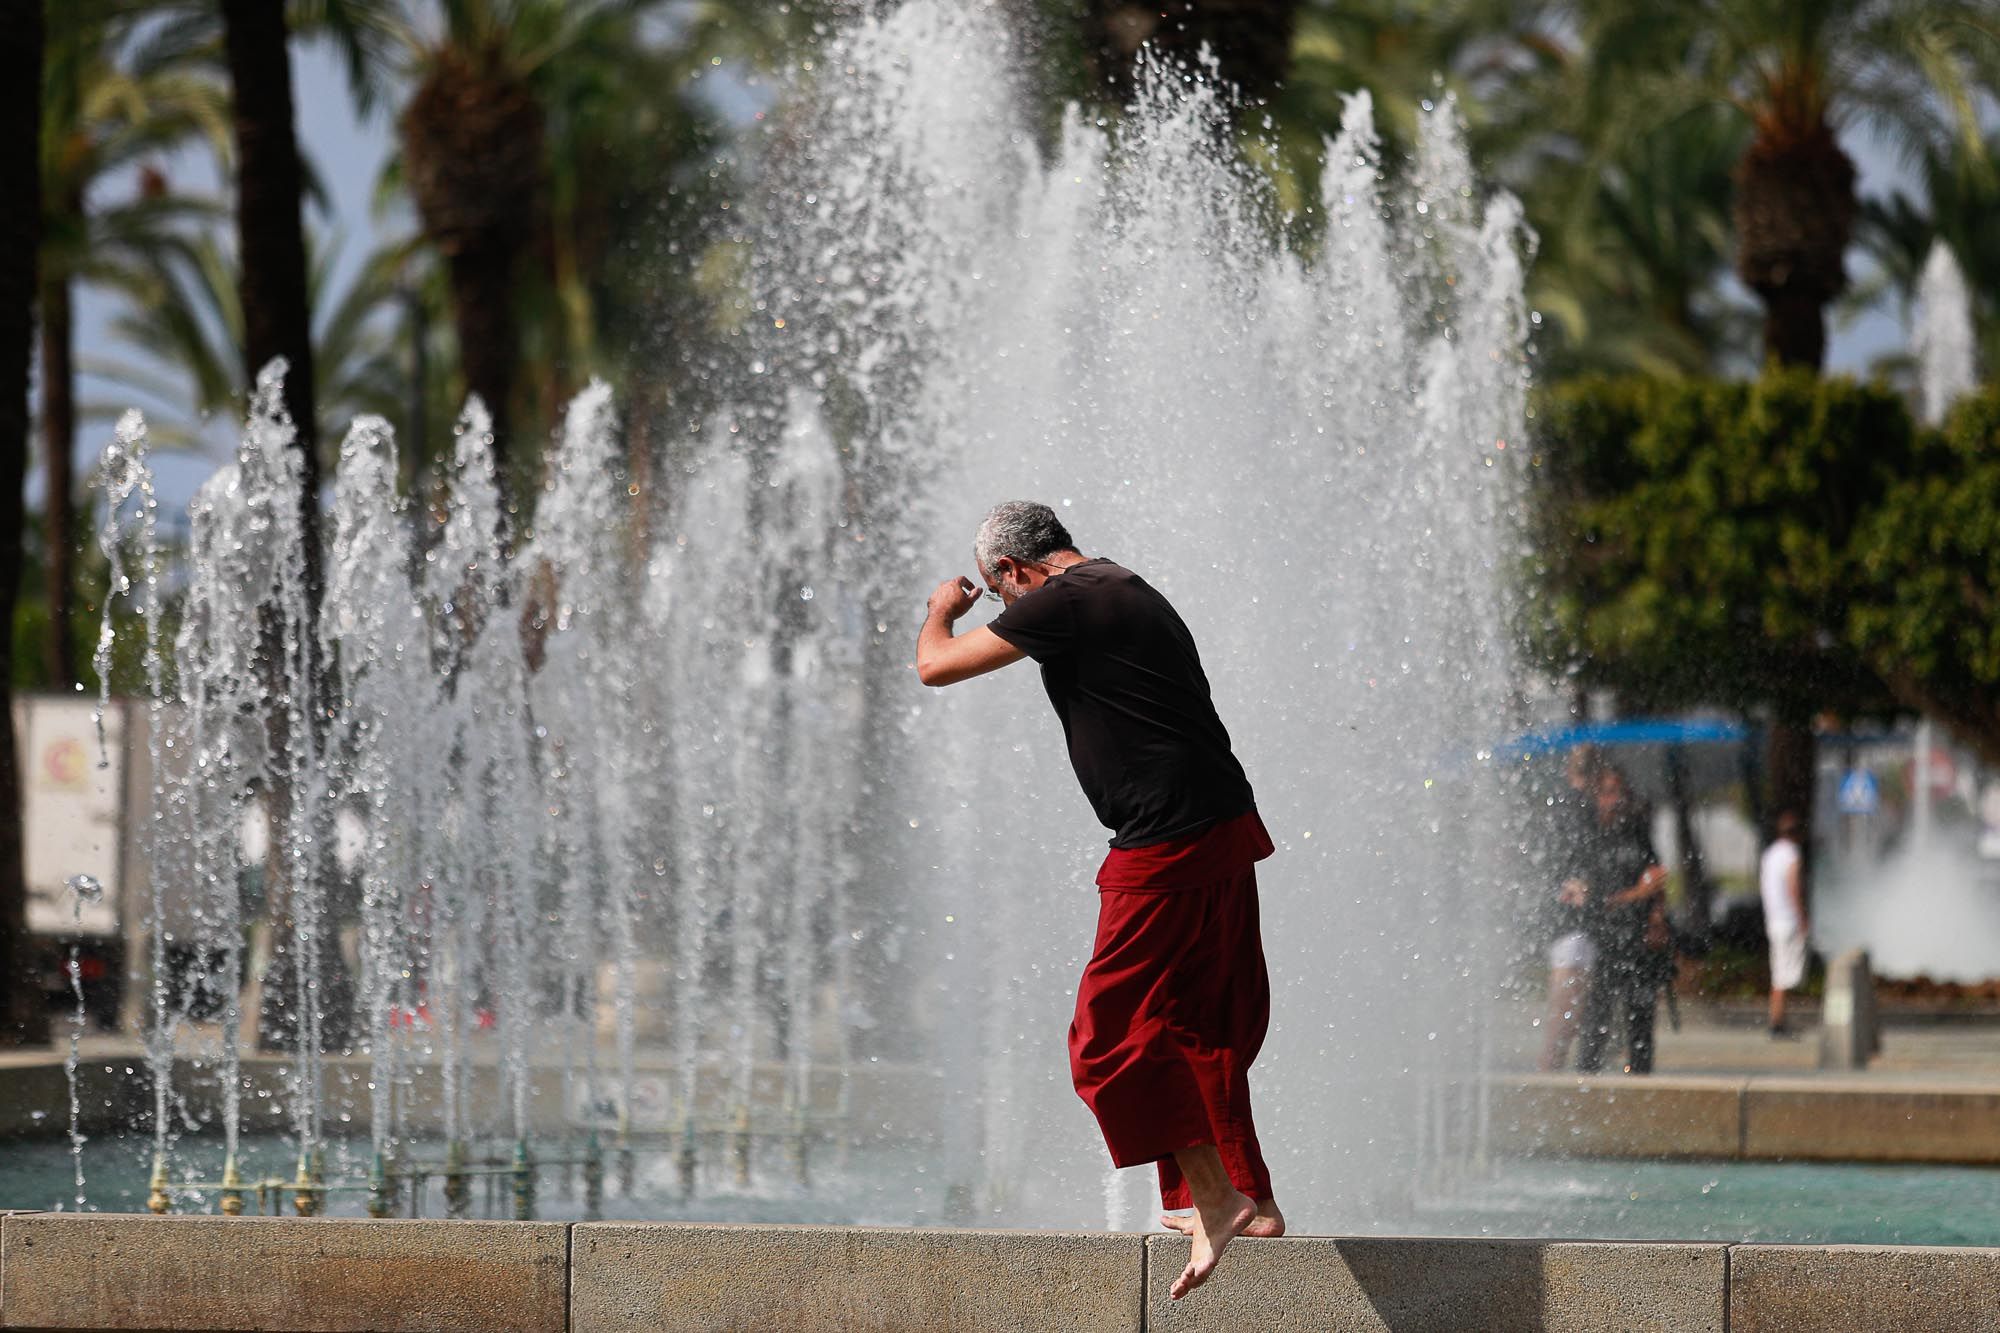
<point>1174,1002</point>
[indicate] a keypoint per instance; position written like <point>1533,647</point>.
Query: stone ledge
<point>1810,1121</point>
<point>1309,1284</point>
<point>323,1275</point>
<point>1746,1118</point>
<point>806,1279</point>
<point>1838,1288</point>
<point>1612,1115</point>
<point>63,1271</point>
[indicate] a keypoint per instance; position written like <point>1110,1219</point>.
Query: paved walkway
<point>1915,1048</point>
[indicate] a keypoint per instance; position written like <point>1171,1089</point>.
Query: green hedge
<point>1792,541</point>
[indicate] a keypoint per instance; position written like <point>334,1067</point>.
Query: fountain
<point>1923,909</point>
<point>1946,350</point>
<point>1941,336</point>
<point>646,829</point>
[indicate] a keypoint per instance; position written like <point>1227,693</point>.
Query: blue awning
<point>1626,731</point>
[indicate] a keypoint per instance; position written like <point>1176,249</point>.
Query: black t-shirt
<point>1616,855</point>
<point>1122,671</point>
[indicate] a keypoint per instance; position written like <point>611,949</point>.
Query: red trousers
<point>1171,1010</point>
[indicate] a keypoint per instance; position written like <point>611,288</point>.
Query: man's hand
<point>953,598</point>
<point>1575,893</point>
<point>945,660</point>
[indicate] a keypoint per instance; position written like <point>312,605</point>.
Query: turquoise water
<point>872,1187</point>
<point>1779,1202</point>
<point>1604,1200</point>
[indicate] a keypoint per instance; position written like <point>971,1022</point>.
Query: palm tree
<point>632,197</point>
<point>1492,57</point>
<point>475,163</point>
<point>186,307</point>
<point>1796,72</point>
<point>105,109</point>
<point>21,1019</point>
<point>1958,205</point>
<point>1632,250</point>
<point>531,128</point>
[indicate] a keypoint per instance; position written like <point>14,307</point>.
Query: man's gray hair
<point>1020,530</point>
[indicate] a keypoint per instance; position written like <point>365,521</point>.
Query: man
<point>1174,1002</point>
<point>1573,953</point>
<point>1627,918</point>
<point>1785,926</point>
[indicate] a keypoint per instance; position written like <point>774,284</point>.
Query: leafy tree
<point>1693,539</point>
<point>1925,566</point>
<point>564,161</point>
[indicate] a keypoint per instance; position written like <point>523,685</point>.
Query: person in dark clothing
<point>1627,920</point>
<point>1174,1003</point>
<point>1572,952</point>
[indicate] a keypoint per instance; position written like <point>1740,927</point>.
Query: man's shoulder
<point>1101,576</point>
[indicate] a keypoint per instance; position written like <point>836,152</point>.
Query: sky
<point>348,151</point>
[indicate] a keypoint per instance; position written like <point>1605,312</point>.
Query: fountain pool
<point>644,817</point>
<point>1798,1203</point>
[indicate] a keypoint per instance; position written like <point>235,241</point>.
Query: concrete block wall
<point>332,1275</point>
<point>1761,1118</point>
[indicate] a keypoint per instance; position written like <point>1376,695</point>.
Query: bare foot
<point>1268,1223</point>
<point>1214,1228</point>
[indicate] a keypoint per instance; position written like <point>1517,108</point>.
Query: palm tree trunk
<point>1794,216</point>
<point>473,152</point>
<point>277,321</point>
<point>22,1020</point>
<point>1795,328</point>
<point>59,475</point>
<point>1250,40</point>
<point>277,313</point>
<point>1794,768</point>
<point>482,311</point>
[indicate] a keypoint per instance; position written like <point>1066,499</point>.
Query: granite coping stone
<point>1609,1115</point>
<point>808,1279</point>
<point>1395,1285</point>
<point>288,1275</point>
<point>1906,1122</point>
<point>107,1271</point>
<point>1838,1288</point>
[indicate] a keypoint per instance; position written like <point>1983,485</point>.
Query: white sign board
<point>70,809</point>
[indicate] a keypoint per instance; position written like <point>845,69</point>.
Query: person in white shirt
<point>1785,925</point>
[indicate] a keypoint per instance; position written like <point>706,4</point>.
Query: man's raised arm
<point>946,659</point>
